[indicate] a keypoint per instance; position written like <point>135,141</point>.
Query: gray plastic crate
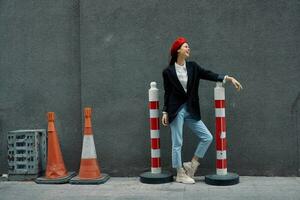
<point>27,153</point>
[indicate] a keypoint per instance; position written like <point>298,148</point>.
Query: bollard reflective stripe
<point>154,134</point>
<point>154,128</point>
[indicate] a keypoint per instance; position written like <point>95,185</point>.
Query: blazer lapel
<point>175,78</point>
<point>189,70</point>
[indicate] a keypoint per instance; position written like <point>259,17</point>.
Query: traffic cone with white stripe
<point>56,171</point>
<point>89,172</point>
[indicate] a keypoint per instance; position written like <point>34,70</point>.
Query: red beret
<point>177,44</point>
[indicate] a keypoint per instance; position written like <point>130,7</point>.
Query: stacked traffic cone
<point>55,171</point>
<point>89,172</point>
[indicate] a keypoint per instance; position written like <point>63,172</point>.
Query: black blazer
<point>175,95</point>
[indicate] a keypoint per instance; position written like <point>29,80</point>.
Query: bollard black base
<point>152,178</point>
<point>222,180</point>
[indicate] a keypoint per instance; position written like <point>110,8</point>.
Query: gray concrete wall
<point>121,46</point>
<point>40,71</point>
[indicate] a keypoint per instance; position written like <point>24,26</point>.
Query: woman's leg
<point>199,128</point>
<point>177,131</point>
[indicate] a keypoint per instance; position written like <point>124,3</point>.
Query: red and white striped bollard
<point>222,177</point>
<point>156,175</point>
<point>154,128</point>
<point>220,135</point>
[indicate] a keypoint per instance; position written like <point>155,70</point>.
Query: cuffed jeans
<point>197,127</point>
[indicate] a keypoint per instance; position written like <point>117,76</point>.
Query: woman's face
<point>184,51</point>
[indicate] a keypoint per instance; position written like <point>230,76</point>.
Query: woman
<point>181,105</point>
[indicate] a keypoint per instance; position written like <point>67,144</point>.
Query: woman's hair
<point>173,59</point>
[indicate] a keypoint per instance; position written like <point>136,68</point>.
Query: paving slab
<point>117,188</point>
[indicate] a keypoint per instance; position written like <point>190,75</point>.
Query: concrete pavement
<point>266,188</point>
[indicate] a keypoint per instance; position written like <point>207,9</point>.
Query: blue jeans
<point>197,126</point>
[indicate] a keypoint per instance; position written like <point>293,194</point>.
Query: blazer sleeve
<point>167,89</point>
<point>208,75</point>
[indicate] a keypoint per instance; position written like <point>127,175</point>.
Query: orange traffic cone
<point>55,171</point>
<point>89,172</point>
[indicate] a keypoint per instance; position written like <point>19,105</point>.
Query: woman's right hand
<point>165,119</point>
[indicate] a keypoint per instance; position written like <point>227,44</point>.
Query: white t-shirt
<point>182,75</point>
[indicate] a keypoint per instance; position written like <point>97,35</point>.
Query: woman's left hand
<point>236,84</point>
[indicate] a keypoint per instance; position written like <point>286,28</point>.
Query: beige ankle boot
<point>191,167</point>
<point>183,178</point>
